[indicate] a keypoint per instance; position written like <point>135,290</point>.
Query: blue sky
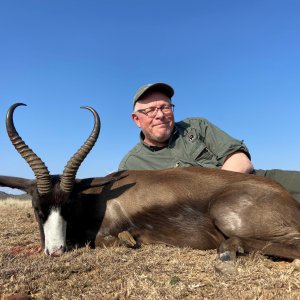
<point>233,62</point>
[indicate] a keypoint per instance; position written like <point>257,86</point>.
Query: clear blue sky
<point>234,62</point>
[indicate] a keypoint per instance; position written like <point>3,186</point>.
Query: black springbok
<point>186,207</point>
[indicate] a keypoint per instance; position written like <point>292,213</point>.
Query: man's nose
<point>159,113</point>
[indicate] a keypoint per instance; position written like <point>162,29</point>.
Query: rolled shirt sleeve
<point>219,142</point>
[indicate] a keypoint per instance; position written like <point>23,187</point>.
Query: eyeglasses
<point>151,112</point>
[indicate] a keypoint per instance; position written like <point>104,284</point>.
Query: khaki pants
<point>288,179</point>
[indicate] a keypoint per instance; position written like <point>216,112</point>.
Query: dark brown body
<point>198,208</point>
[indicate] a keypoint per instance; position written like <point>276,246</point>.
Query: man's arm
<point>238,162</point>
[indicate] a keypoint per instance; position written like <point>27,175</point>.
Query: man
<point>165,143</point>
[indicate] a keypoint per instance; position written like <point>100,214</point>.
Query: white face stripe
<point>55,233</point>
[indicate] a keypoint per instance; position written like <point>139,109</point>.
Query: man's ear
<point>136,119</point>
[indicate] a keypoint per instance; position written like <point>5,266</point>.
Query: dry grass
<point>152,272</point>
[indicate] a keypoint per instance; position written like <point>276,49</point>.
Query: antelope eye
<point>66,210</point>
<point>39,213</point>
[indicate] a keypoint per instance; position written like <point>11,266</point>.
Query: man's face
<point>158,129</point>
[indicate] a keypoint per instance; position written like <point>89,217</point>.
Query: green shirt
<point>194,142</point>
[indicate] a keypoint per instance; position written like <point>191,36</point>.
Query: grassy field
<point>151,272</point>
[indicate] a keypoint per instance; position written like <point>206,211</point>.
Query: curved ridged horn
<point>37,165</point>
<point>70,170</point>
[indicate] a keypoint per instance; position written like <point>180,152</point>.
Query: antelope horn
<point>37,165</point>
<point>70,170</point>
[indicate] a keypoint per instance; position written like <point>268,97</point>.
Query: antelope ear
<point>26,185</point>
<point>87,183</point>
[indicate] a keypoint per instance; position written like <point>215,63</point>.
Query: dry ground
<point>152,272</point>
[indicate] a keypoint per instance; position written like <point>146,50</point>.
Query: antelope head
<point>51,195</point>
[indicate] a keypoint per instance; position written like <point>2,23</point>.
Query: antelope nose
<point>57,252</point>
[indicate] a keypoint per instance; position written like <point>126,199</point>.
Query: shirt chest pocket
<point>202,153</point>
<point>198,151</point>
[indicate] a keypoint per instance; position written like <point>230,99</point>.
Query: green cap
<point>158,86</point>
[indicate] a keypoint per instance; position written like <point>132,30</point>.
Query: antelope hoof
<point>227,256</point>
<point>127,239</point>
